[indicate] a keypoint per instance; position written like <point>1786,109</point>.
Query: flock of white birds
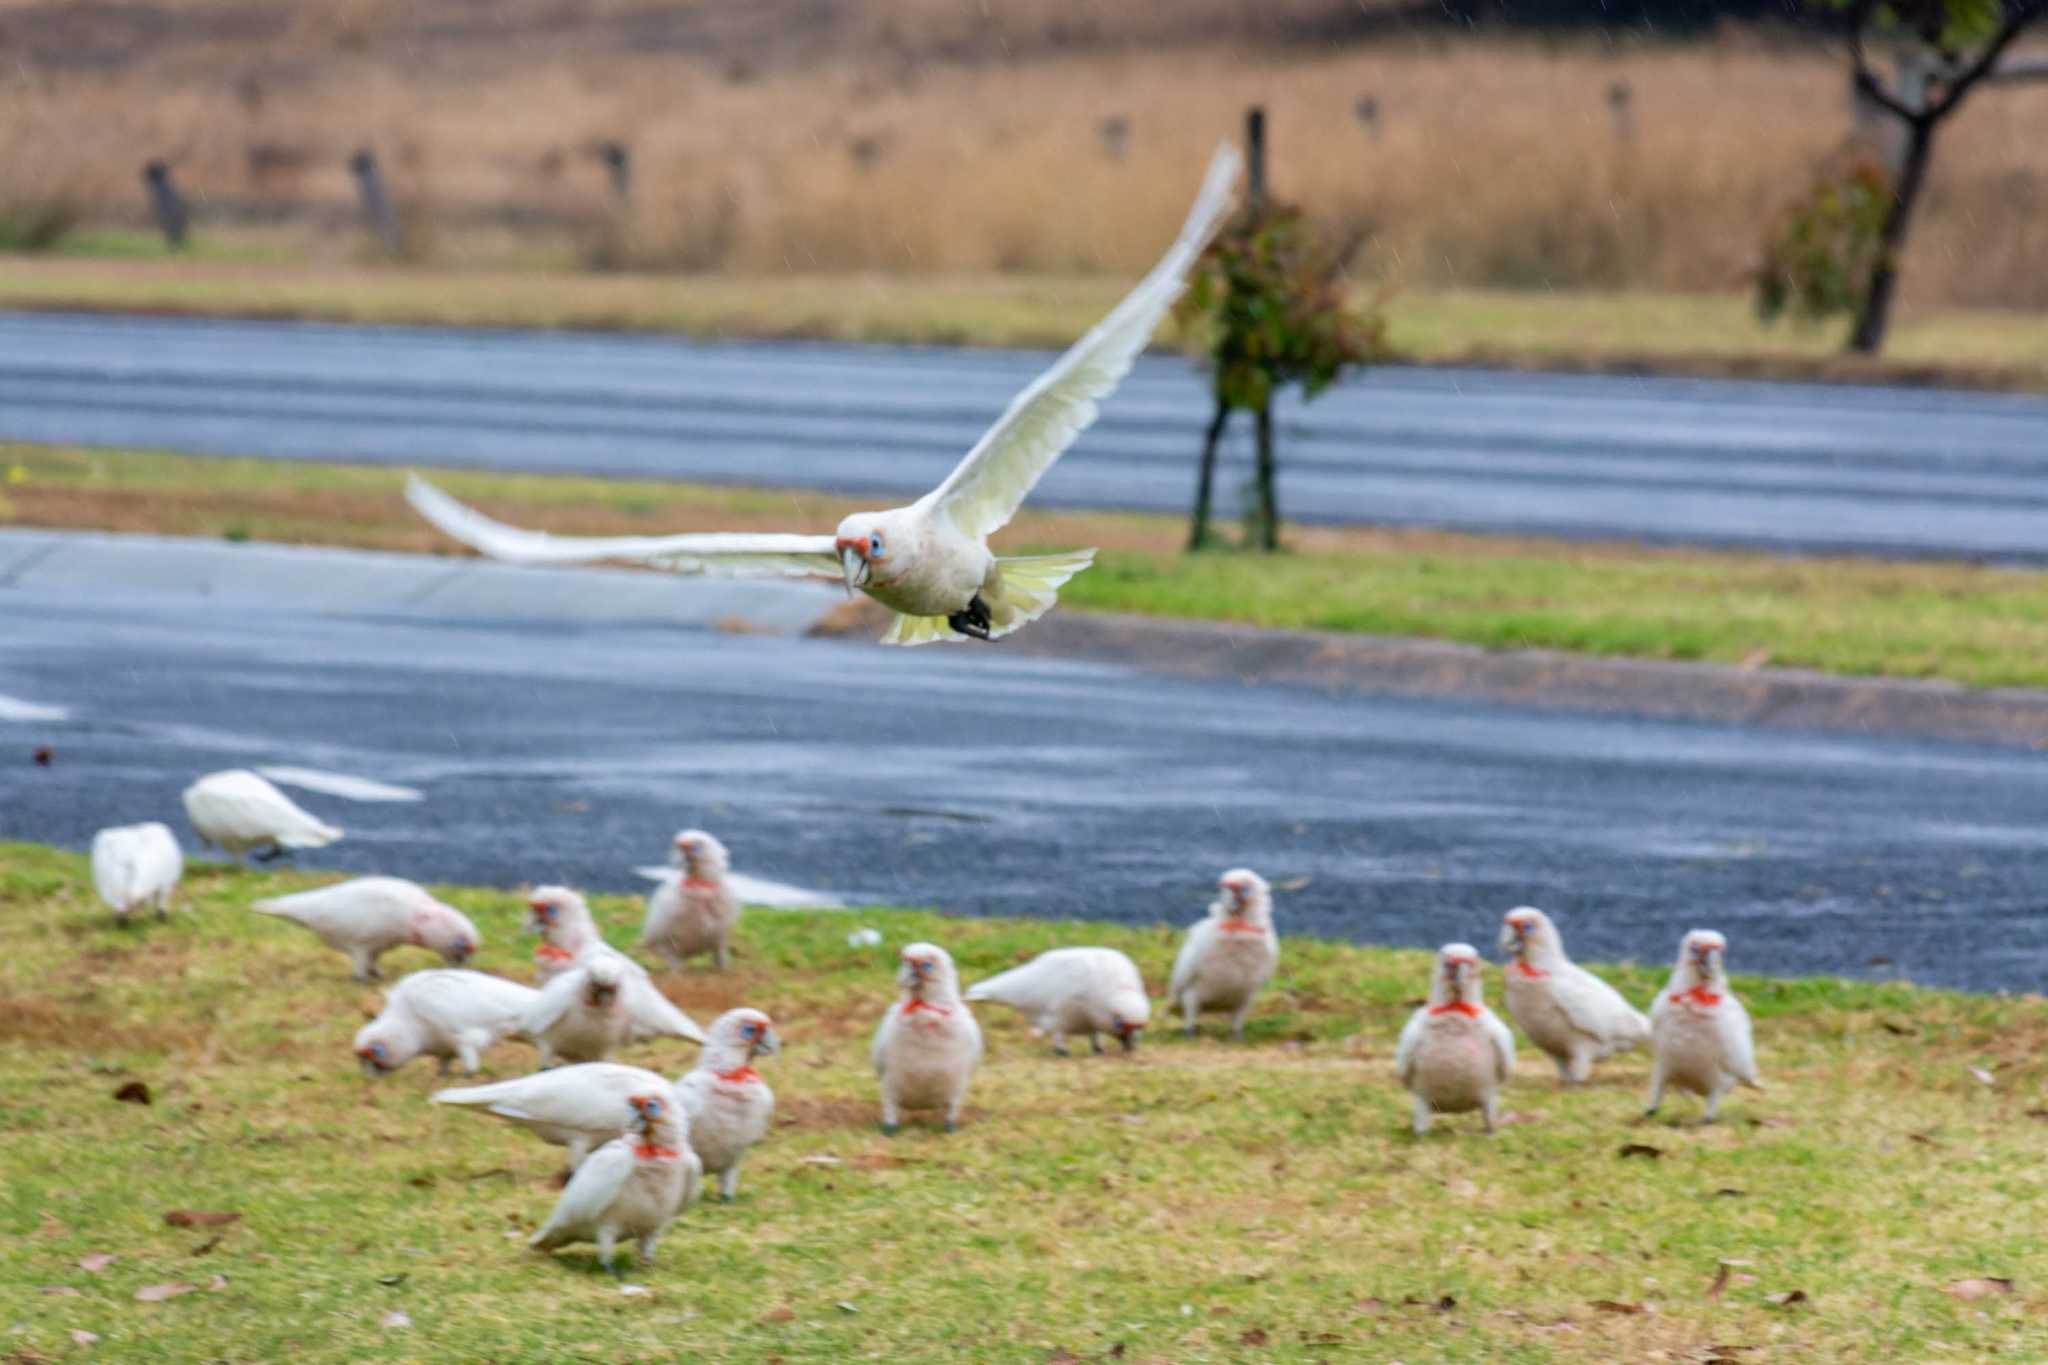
<point>639,1145</point>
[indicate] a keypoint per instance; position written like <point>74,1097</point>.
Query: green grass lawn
<point>1702,333</point>
<point>1973,625</point>
<point>1203,1201</point>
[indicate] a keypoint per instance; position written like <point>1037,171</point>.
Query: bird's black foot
<point>973,622</point>
<point>269,855</point>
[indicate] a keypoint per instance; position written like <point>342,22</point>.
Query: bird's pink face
<point>757,1032</point>
<point>1238,891</point>
<point>1516,930</point>
<point>648,1111</point>
<point>920,969</point>
<point>1706,953</point>
<point>861,547</point>
<point>1457,968</point>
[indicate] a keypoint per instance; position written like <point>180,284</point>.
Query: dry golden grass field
<point>923,136</point>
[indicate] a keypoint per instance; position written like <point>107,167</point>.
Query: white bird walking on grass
<point>927,1045</point>
<point>633,1187</point>
<point>570,939</point>
<point>1699,1030</point>
<point>367,916</point>
<point>1571,1014</point>
<point>1455,1054</point>
<point>1227,958</point>
<point>452,1015</point>
<point>929,562</point>
<point>1075,990</point>
<point>580,1107</point>
<point>136,865</point>
<point>694,911</point>
<point>581,1015</point>
<point>240,811</point>
<point>728,1103</point>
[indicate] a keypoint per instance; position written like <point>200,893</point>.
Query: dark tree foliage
<point>1270,305</point>
<point>1818,262</point>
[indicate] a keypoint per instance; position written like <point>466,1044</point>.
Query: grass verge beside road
<point>1967,624</point>
<point>1204,1201</point>
<point>1687,333</point>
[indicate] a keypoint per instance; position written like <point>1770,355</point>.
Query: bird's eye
<point>377,1051</point>
<point>875,543</point>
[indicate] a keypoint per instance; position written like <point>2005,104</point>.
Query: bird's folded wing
<point>655,1014</point>
<point>597,1182</point>
<point>1034,987</point>
<point>1404,1051</point>
<point>761,555</point>
<point>1732,1021</point>
<point>550,1003</point>
<point>1503,1044</point>
<point>984,491</point>
<point>455,1002</point>
<point>1590,1005</point>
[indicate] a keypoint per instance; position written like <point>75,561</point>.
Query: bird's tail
<point>473,1096</point>
<point>319,834</point>
<point>1025,589</point>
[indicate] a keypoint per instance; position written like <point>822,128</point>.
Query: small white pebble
<point>864,938</point>
<point>397,1317</point>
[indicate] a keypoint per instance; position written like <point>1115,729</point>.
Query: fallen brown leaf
<point>1062,1356</point>
<point>1923,1139</point>
<point>135,1092</point>
<point>1789,1297</point>
<point>2031,1113</point>
<point>96,1261</point>
<point>1720,1284</point>
<point>1643,1149</point>
<point>1728,1192</point>
<point>199,1218</point>
<point>50,1227</point>
<point>1897,1030</point>
<point>157,1293</point>
<point>1612,1306</point>
<point>1254,1337</point>
<point>782,1314</point>
<point>1980,1288</point>
<point>206,1247</point>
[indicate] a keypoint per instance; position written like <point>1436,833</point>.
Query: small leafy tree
<point>1957,45</point>
<point>1819,262</point>
<point>1269,302</point>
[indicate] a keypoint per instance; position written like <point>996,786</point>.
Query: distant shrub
<point>1817,263</point>
<point>37,222</point>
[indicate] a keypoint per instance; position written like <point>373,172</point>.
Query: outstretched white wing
<point>984,491</point>
<point>753,556</point>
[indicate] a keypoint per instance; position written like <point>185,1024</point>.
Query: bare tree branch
<point>2018,16</point>
<point>1867,82</point>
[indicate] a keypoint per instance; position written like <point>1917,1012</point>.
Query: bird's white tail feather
<point>1026,588</point>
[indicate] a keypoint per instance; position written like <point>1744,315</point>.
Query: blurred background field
<point>909,139</point>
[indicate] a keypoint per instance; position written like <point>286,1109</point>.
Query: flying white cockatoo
<point>695,911</point>
<point>136,865</point>
<point>580,1107</point>
<point>1075,990</point>
<point>633,1187</point>
<point>570,939</point>
<point>728,1103</point>
<point>1455,1054</point>
<point>452,1015</point>
<point>240,810</point>
<point>1228,957</point>
<point>581,1015</point>
<point>927,1046</point>
<point>929,562</point>
<point>1571,1014</point>
<point>366,916</point>
<point>1699,1030</point>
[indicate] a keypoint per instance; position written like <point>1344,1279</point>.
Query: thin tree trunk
<point>1269,502</point>
<point>1875,318</point>
<point>1198,531</point>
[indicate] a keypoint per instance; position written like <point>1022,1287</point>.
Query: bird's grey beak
<point>370,1068</point>
<point>770,1043</point>
<point>854,567</point>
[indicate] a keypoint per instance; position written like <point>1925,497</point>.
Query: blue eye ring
<point>875,543</point>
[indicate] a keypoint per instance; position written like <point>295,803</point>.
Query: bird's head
<point>601,982</point>
<point>1701,955</point>
<point>749,1031</point>
<point>1457,974</point>
<point>1129,1012</point>
<point>377,1052</point>
<point>1244,891</point>
<point>927,970</point>
<point>1523,928</point>
<point>553,910</point>
<point>700,854</point>
<point>650,1113</point>
<point>864,543</point>
<point>448,932</point>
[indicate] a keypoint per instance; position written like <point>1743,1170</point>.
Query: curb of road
<point>1366,665</point>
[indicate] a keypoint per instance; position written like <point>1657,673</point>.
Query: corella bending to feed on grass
<point>727,1102</point>
<point>456,1016</point>
<point>927,1045</point>
<point>242,811</point>
<point>696,911</point>
<point>580,1107</point>
<point>569,940</point>
<point>1227,958</point>
<point>368,916</point>
<point>1699,1030</point>
<point>136,865</point>
<point>928,562</point>
<point>632,1187</point>
<point>1075,990</point>
<point>1571,1014</point>
<point>1455,1054</point>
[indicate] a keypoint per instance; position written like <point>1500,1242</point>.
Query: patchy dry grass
<point>1986,627</point>
<point>1203,1202</point>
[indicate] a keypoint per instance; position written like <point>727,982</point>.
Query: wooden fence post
<point>173,217</point>
<point>376,202</point>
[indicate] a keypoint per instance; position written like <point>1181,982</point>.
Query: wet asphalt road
<point>1804,467</point>
<point>558,747</point>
